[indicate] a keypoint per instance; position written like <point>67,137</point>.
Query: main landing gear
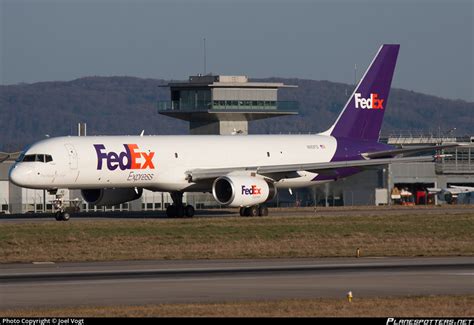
<point>178,209</point>
<point>254,211</point>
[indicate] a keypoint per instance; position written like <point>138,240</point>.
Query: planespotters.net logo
<point>429,321</point>
<point>374,102</point>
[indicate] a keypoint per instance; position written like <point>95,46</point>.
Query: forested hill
<point>127,105</point>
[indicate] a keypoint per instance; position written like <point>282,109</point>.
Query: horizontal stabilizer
<point>406,151</point>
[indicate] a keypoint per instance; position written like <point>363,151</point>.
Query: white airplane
<point>451,193</point>
<point>240,170</point>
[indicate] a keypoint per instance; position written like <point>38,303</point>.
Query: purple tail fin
<point>362,116</point>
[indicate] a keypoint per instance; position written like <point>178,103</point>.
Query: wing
<point>274,170</point>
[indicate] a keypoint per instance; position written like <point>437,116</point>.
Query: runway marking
<point>375,257</point>
<point>43,263</point>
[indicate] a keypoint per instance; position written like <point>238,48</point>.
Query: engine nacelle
<point>446,196</point>
<point>242,191</point>
<point>112,196</point>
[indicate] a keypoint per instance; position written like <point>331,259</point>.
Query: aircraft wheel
<point>242,211</point>
<point>65,216</point>
<point>180,211</point>
<point>58,216</point>
<point>171,211</point>
<point>263,211</point>
<point>189,211</point>
<point>253,211</point>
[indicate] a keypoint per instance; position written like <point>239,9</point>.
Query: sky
<point>46,40</point>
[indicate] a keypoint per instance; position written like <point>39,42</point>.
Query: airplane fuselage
<point>161,162</point>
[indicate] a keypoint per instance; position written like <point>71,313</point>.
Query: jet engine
<point>446,196</point>
<point>111,196</point>
<point>242,191</point>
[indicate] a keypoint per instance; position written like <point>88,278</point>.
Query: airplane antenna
<point>204,40</point>
<point>82,129</point>
<point>143,132</point>
<point>355,74</point>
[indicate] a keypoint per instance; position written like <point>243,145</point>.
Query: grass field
<point>431,306</point>
<point>231,237</point>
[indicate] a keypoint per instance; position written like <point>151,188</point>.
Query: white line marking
<point>43,263</point>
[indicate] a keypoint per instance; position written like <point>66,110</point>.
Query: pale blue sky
<point>45,40</point>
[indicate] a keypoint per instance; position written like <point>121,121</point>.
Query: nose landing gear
<point>63,213</point>
<point>62,216</point>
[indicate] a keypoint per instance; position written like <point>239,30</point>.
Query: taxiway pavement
<point>154,282</point>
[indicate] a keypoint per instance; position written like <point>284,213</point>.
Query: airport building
<point>456,168</point>
<point>377,187</point>
<point>216,104</point>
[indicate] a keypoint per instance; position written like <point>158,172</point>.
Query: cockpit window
<point>38,158</point>
<point>27,158</point>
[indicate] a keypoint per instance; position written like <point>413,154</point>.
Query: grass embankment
<point>207,238</point>
<point>431,306</point>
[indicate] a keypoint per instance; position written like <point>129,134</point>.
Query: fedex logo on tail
<point>253,190</point>
<point>374,102</point>
<point>131,158</point>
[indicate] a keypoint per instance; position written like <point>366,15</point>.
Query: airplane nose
<point>14,176</point>
<point>19,175</point>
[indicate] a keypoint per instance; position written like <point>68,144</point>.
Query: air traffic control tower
<point>215,104</point>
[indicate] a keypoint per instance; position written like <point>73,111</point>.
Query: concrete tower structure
<point>224,104</point>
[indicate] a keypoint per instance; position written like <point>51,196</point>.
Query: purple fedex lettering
<point>114,160</point>
<point>253,190</point>
<point>100,155</point>
<point>122,156</point>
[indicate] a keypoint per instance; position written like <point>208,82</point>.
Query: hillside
<point>127,105</point>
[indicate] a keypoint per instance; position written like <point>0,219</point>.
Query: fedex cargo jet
<point>240,171</point>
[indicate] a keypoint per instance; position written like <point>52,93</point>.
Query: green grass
<point>230,237</point>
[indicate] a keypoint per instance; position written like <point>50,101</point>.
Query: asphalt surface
<point>275,212</point>
<point>154,282</point>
